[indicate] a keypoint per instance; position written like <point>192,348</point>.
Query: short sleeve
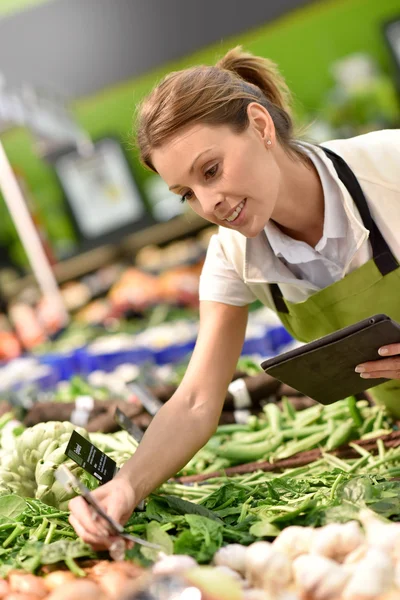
<point>219,282</point>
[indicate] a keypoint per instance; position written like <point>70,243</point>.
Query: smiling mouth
<point>236,212</point>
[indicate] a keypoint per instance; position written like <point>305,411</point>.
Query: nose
<point>210,202</point>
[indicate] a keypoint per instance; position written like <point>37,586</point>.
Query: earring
<point>269,142</point>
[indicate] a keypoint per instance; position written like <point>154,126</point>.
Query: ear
<point>261,122</point>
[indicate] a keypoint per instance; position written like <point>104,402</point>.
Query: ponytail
<point>259,72</point>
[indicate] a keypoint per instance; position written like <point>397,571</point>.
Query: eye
<point>211,172</point>
<point>187,196</point>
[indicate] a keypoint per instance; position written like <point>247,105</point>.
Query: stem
<point>39,533</point>
<point>336,483</point>
<point>359,463</point>
<point>73,567</point>
<point>49,536</point>
<point>14,534</point>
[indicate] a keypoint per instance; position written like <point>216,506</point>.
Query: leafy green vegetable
<point>11,506</point>
<point>202,540</point>
<point>156,535</point>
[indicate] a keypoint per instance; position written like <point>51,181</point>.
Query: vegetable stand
<point>309,521</point>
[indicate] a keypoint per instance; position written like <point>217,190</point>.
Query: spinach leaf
<point>156,535</point>
<point>11,506</point>
<point>203,539</point>
<point>264,529</point>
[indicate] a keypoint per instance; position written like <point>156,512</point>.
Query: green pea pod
<point>354,411</point>
<point>288,409</point>
<point>292,448</point>
<point>367,425</point>
<point>274,416</point>
<point>340,436</point>
<point>242,453</point>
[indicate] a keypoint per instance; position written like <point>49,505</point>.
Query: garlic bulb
<point>319,577</point>
<point>254,594</point>
<point>174,563</point>
<point>294,541</point>
<point>267,568</point>
<point>379,533</point>
<point>337,540</point>
<point>233,556</point>
<point>372,576</point>
<point>396,574</point>
<point>356,555</point>
<point>233,574</point>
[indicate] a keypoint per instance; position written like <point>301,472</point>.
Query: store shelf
<point>89,261</point>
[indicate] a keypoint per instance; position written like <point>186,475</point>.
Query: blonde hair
<point>215,95</point>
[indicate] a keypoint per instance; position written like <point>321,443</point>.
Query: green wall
<point>304,43</point>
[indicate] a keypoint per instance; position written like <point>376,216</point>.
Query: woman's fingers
<point>381,374</point>
<point>390,350</point>
<point>388,368</point>
<point>98,539</point>
<point>86,517</point>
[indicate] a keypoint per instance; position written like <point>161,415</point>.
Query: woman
<point>310,231</point>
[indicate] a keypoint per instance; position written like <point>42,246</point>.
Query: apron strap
<point>381,253</point>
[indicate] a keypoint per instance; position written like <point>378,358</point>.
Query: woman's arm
<point>182,426</point>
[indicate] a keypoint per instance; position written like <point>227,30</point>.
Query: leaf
<point>156,535</point>
<point>224,494</point>
<point>264,529</point>
<point>184,507</point>
<point>11,506</point>
<point>356,491</point>
<point>203,539</point>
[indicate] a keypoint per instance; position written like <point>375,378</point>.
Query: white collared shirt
<point>238,270</point>
<point>322,265</point>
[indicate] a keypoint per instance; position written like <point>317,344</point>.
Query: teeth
<point>235,214</point>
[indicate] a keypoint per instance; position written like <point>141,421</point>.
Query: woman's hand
<point>385,367</point>
<point>117,499</point>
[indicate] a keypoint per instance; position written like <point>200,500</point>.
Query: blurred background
<point>99,263</point>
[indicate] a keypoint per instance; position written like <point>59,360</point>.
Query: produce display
<point>306,531</point>
<point>288,500</point>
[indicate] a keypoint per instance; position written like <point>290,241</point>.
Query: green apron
<point>371,289</point>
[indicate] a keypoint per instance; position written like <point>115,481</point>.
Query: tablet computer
<point>324,368</point>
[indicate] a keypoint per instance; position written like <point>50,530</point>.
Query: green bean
<point>249,452</point>
<point>378,421</point>
<point>231,428</point>
<point>288,409</point>
<point>253,437</point>
<point>336,462</point>
<point>367,425</point>
<point>362,451</point>
<point>308,415</point>
<point>354,411</point>
<point>340,436</point>
<point>294,447</point>
<point>381,449</point>
<point>302,432</point>
<point>374,434</point>
<point>274,417</point>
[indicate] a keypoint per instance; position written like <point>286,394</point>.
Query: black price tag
<point>90,458</point>
<point>146,398</point>
<point>125,423</point>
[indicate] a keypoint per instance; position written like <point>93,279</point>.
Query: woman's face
<point>229,179</point>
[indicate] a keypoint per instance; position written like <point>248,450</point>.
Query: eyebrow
<point>173,187</point>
